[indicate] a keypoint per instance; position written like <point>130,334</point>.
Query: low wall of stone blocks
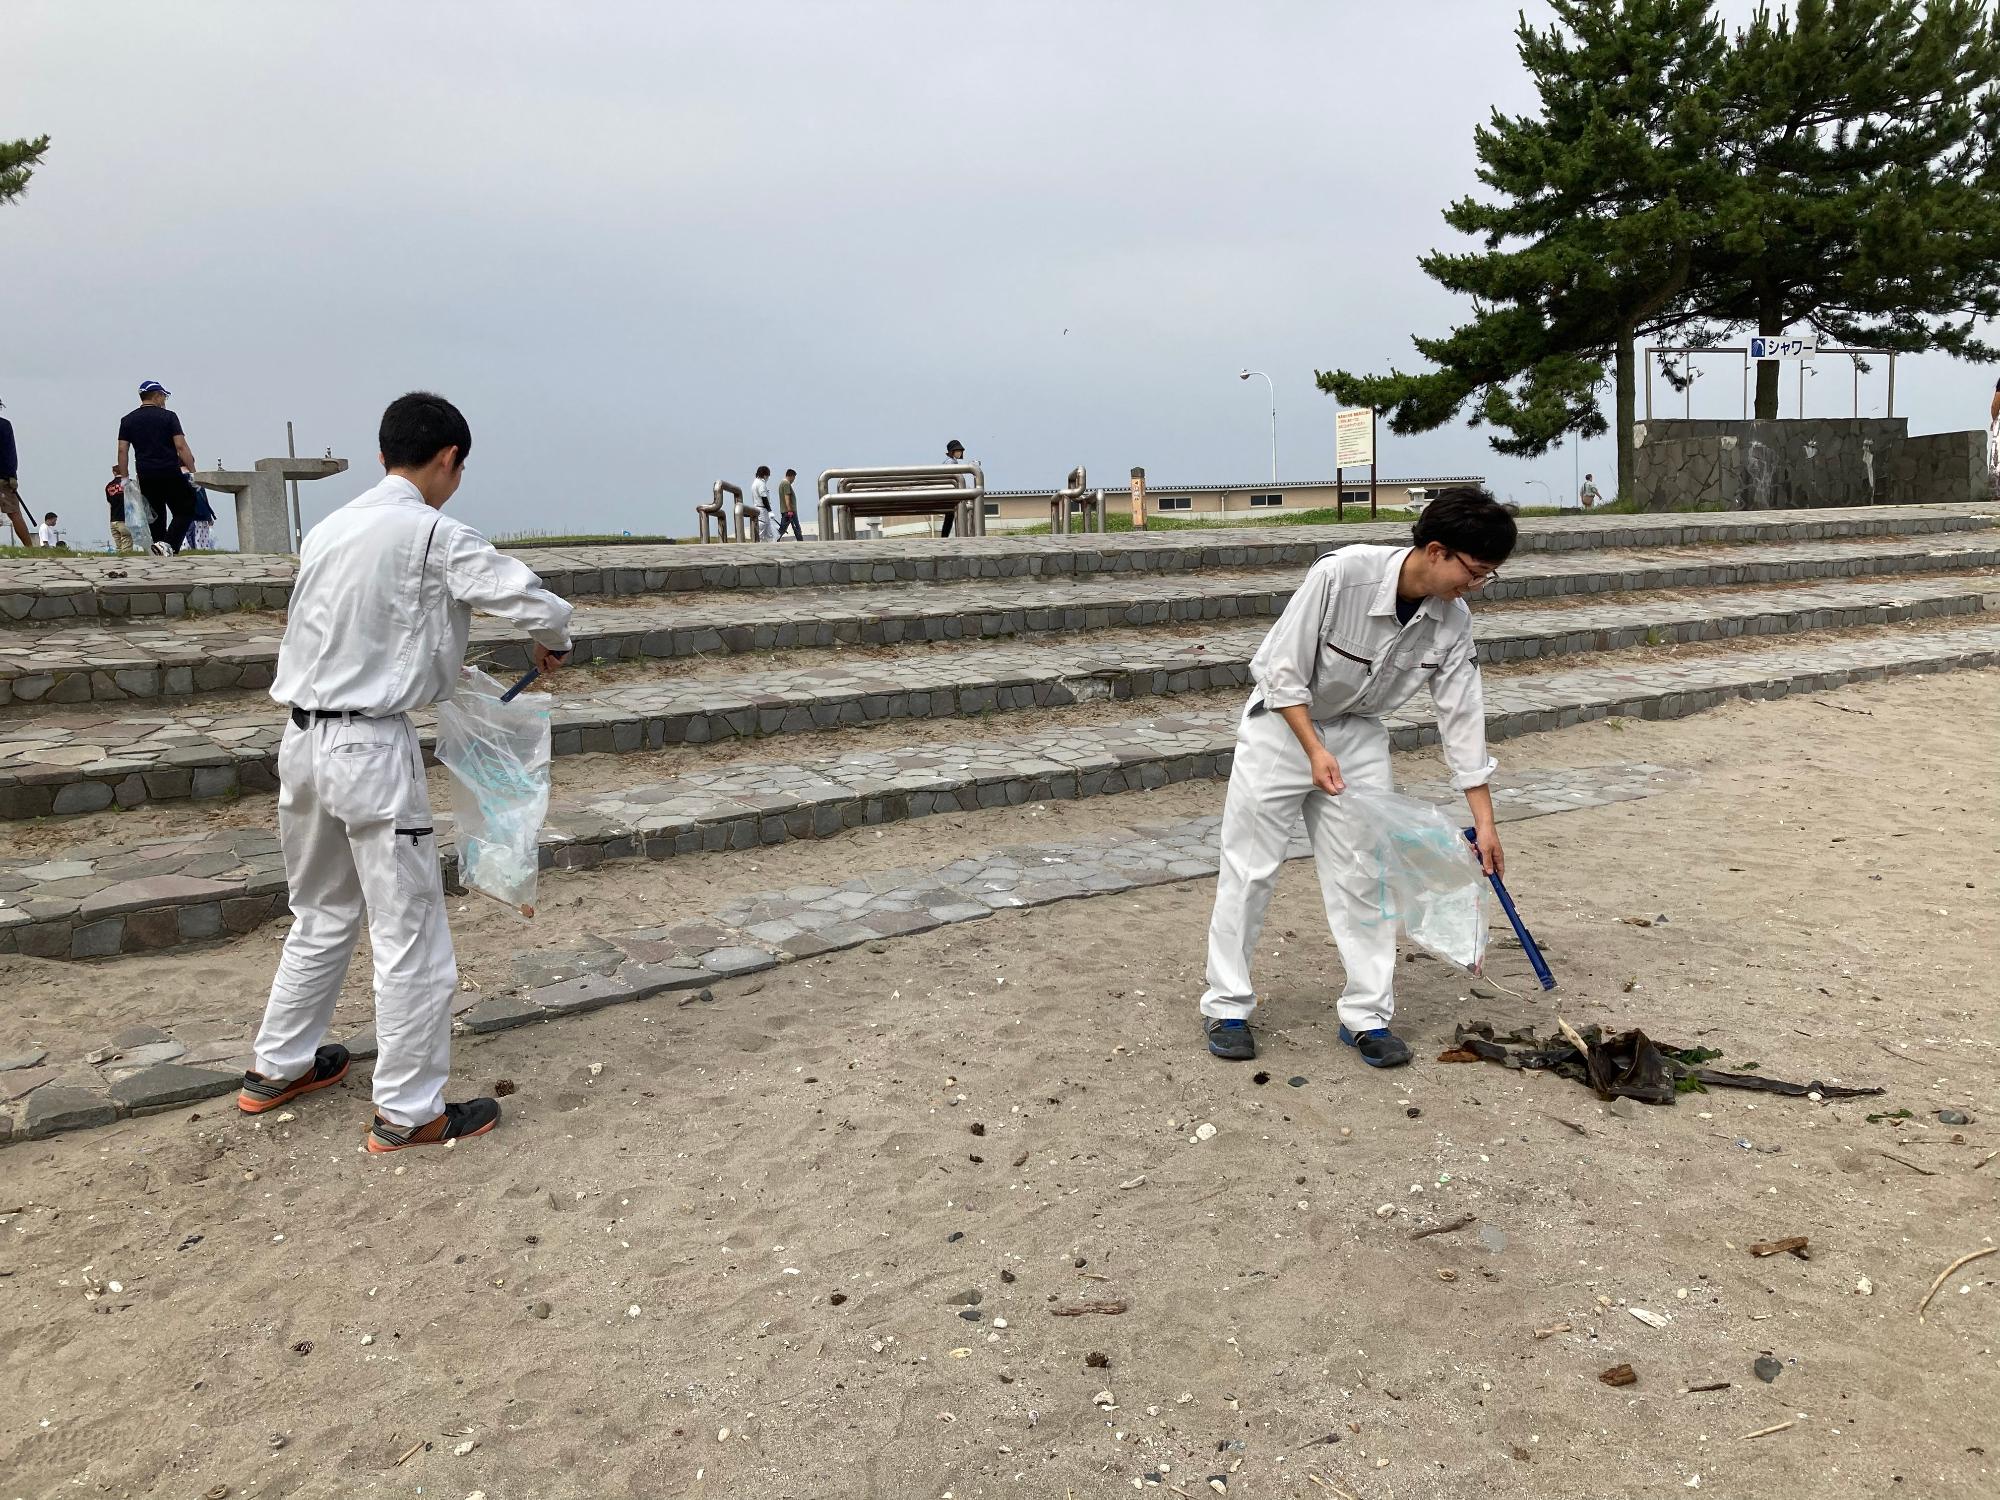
<point>1782,465</point>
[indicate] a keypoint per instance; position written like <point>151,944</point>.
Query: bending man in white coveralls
<point>1366,629</point>
<point>376,628</point>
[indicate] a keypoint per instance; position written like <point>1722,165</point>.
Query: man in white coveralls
<point>376,628</point>
<point>1366,629</point>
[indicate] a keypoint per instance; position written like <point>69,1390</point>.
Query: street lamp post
<point>1549,488</point>
<point>1245,375</point>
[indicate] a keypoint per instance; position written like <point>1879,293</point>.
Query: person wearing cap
<point>150,439</point>
<point>10,484</point>
<point>376,629</point>
<point>954,453</point>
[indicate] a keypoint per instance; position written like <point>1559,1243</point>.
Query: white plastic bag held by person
<point>1423,873</point>
<point>498,756</point>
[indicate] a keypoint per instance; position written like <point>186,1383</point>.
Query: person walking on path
<point>114,499</point>
<point>50,536</point>
<point>150,439</point>
<point>760,504</point>
<point>10,484</point>
<point>1366,629</point>
<point>1589,494</point>
<point>376,629</point>
<point>954,453</point>
<point>201,530</point>
<point>1993,444</point>
<point>788,506</point>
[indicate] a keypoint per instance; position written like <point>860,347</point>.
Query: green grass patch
<point>510,540</point>
<point>1118,521</point>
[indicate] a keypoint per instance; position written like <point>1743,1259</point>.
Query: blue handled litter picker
<point>1527,938</point>
<point>526,677</point>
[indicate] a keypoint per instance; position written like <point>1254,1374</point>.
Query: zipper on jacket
<point>1352,657</point>
<point>415,834</point>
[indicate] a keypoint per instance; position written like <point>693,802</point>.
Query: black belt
<point>304,716</point>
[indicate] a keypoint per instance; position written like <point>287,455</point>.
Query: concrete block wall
<point>1822,461</point>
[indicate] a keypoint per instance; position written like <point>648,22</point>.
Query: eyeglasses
<point>1480,576</point>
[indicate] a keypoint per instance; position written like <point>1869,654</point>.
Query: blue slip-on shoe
<point>1230,1040</point>
<point>1379,1047</point>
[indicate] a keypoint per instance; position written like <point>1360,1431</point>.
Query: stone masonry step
<point>99,901</point>
<point>136,587</point>
<point>62,764</point>
<point>142,660</point>
<point>83,1081</point>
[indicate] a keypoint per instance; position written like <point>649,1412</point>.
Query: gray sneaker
<point>1231,1040</point>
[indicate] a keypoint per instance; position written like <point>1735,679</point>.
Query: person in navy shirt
<point>150,439</point>
<point>10,484</point>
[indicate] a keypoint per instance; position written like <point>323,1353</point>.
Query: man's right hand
<point>547,661</point>
<point>1326,772</point>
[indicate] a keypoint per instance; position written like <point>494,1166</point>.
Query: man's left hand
<point>547,661</point>
<point>1492,858</point>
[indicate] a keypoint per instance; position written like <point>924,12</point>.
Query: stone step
<point>138,587</point>
<point>139,661</point>
<point>95,1080</point>
<point>101,900</point>
<point>63,764</point>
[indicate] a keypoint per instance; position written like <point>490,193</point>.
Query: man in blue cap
<point>151,439</point>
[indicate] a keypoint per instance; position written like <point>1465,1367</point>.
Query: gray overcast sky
<point>645,246</point>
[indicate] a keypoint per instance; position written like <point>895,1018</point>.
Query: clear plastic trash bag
<point>1422,872</point>
<point>498,756</point>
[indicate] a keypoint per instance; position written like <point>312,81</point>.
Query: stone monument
<point>263,519</point>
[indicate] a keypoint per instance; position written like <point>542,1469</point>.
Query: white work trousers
<point>1270,785</point>
<point>354,817</point>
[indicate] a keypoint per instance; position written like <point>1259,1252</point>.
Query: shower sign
<point>1803,347</point>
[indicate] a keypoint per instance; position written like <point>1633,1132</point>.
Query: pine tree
<point>1599,206</point>
<point>1865,135</point>
<point>18,160</point>
<point>1834,166</point>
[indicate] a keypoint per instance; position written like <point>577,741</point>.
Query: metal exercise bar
<point>715,509</point>
<point>1076,492</point>
<point>901,490</point>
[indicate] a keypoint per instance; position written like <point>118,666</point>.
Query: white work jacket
<point>383,605</point>
<point>1339,649</point>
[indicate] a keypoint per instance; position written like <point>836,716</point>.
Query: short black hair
<point>50,516</point>
<point>763,471</point>
<point>1466,518</point>
<point>418,427</point>
<point>790,472</point>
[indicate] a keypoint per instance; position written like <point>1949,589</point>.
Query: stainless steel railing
<point>901,490</point>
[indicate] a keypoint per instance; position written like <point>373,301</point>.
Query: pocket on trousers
<point>417,879</point>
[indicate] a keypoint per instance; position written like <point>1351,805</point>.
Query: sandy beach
<point>820,1236</point>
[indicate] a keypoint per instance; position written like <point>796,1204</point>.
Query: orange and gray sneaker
<point>458,1122</point>
<point>260,1093</point>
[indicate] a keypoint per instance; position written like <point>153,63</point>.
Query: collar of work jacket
<point>379,618</point>
<point>1338,649</point>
